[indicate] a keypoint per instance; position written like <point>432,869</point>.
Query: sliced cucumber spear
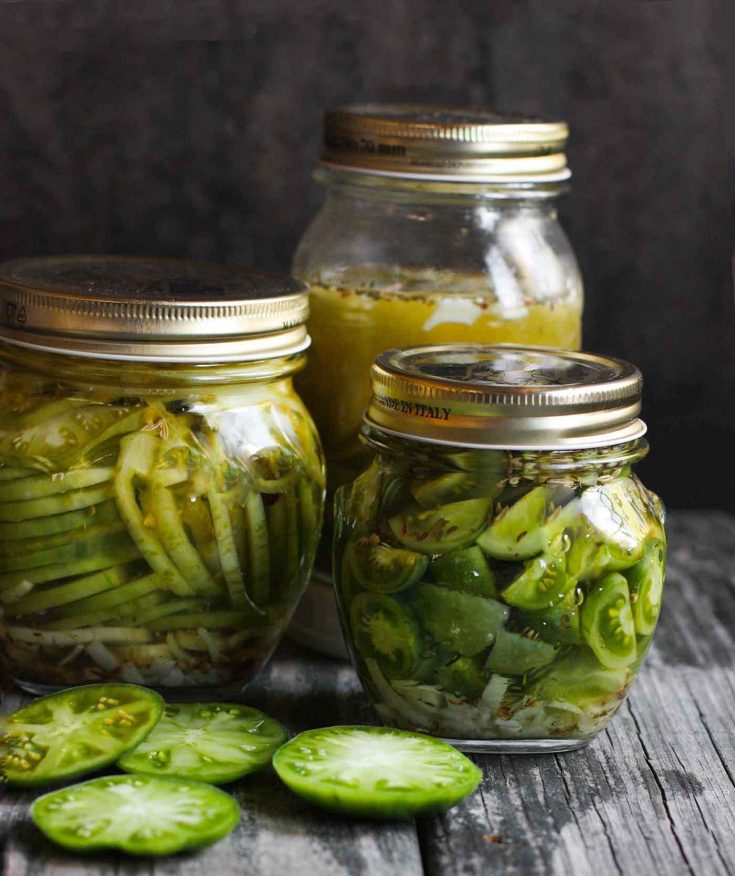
<point>137,455</point>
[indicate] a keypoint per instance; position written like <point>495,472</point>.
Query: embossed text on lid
<point>506,396</point>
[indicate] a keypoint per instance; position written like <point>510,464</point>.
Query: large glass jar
<point>438,226</point>
<point>499,566</point>
<point>161,483</point>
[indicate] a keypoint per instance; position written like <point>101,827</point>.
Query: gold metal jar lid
<point>165,310</point>
<point>444,143</point>
<point>505,397</point>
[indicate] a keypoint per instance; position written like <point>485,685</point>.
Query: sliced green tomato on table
<point>76,731</point>
<point>140,815</point>
<point>211,742</point>
<point>447,528</point>
<point>646,583</point>
<point>607,622</point>
<point>385,569</point>
<point>384,630</point>
<point>375,772</point>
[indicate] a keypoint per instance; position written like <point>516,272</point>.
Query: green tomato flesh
<point>513,654</point>
<point>385,569</point>
<point>518,532</point>
<point>459,621</point>
<point>463,677</point>
<point>384,630</point>
<point>375,772</point>
<point>140,815</point>
<point>578,679</point>
<point>646,583</point>
<point>211,742</point>
<point>75,731</point>
<point>542,584</point>
<point>443,529</point>
<point>465,570</point>
<point>607,622</point>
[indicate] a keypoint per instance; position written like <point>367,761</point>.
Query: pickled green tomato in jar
<point>158,516</point>
<point>504,598</point>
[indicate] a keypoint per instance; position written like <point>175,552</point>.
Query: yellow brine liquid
<point>350,326</point>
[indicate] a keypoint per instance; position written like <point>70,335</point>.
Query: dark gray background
<point>190,128</point>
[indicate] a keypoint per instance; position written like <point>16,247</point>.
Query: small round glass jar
<point>161,483</point>
<point>499,567</point>
<point>439,225</point>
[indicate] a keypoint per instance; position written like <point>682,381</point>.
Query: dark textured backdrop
<point>190,128</point>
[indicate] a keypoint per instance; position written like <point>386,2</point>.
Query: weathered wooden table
<point>655,794</point>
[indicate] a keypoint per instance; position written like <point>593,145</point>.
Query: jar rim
<point>505,397</point>
<point>435,142</point>
<point>143,309</point>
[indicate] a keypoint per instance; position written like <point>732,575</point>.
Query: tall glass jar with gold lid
<point>161,483</point>
<point>439,225</point>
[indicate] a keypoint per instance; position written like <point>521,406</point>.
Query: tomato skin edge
<point>367,804</point>
<point>87,847</point>
<point>34,780</point>
<point>222,777</point>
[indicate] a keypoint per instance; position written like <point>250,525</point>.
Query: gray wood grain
<point>655,794</point>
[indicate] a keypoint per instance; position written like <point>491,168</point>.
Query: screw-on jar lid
<point>505,397</point>
<point>445,143</point>
<point>165,310</point>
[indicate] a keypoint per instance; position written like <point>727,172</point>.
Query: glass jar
<point>500,567</point>
<point>161,483</point>
<point>438,226</point>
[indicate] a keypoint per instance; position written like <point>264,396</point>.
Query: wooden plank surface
<point>655,794</point>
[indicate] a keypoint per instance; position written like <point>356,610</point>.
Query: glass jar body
<point>393,263</point>
<point>505,600</point>
<point>159,522</point>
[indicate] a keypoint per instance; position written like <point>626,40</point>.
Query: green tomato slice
<point>384,630</point>
<point>211,742</point>
<point>646,583</point>
<point>375,772</point>
<point>514,654</point>
<point>447,528</point>
<point>459,621</point>
<point>75,731</point>
<point>557,624</point>
<point>456,485</point>
<point>466,570</point>
<point>385,569</point>
<point>464,677</point>
<point>617,514</point>
<point>518,532</point>
<point>140,815</point>
<point>578,679</point>
<point>607,622</point>
<point>543,583</point>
